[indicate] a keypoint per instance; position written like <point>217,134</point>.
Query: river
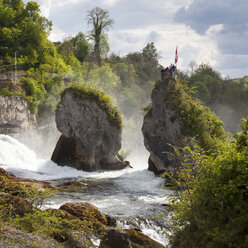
<point>134,196</point>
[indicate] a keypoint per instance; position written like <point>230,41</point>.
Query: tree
<point>145,63</point>
<point>151,56</point>
<point>17,5</point>
<point>81,46</point>
<point>100,20</point>
<point>22,29</point>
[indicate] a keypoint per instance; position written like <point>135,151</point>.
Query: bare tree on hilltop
<point>100,20</point>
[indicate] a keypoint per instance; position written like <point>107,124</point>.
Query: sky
<point>205,31</point>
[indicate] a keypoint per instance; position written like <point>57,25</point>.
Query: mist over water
<point>41,140</point>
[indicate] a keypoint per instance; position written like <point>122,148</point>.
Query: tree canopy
<point>101,22</point>
<point>24,31</point>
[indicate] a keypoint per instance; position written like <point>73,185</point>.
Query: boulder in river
<point>127,238</point>
<point>172,120</point>
<point>86,212</point>
<point>161,129</point>
<point>91,130</point>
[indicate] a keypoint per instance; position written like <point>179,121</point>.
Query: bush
<point>211,209</point>
<point>20,206</point>
<point>35,93</point>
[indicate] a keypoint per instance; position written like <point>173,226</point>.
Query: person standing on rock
<point>173,71</point>
<point>163,74</point>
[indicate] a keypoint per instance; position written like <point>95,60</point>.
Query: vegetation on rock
<point>197,120</point>
<point>20,205</point>
<point>104,101</point>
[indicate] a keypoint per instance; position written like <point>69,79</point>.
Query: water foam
<point>18,159</point>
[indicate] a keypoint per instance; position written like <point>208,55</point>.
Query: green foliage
<point>225,96</point>
<point>125,72</point>
<point>124,154</point>
<point>36,197</point>
<point>242,137</point>
<point>211,208</point>
<point>75,47</point>
<point>6,92</point>
<point>128,80</point>
<point>198,121</point>
<point>20,207</point>
<point>23,30</point>
<point>147,109</point>
<point>145,63</point>
<point>53,223</point>
<point>35,93</point>
<point>104,101</point>
<point>100,21</point>
<point>103,77</point>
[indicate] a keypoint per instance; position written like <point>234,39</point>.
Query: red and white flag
<point>176,57</point>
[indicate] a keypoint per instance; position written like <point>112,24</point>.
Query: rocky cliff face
<point>14,114</point>
<point>162,128</point>
<point>90,140</point>
<point>174,118</point>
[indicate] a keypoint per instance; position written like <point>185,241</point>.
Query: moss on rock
<point>97,95</point>
<point>86,212</point>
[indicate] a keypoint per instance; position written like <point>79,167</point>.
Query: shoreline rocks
<point>127,238</point>
<point>74,224</point>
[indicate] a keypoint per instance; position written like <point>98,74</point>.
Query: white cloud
<point>57,35</point>
<point>191,46</point>
<point>110,3</point>
<point>214,29</point>
<point>210,31</point>
<point>45,8</point>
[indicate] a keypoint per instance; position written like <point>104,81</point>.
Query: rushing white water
<point>23,162</point>
<point>129,192</point>
<point>17,158</point>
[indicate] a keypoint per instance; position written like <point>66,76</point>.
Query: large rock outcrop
<point>161,129</point>
<point>14,114</point>
<point>173,119</point>
<point>91,131</point>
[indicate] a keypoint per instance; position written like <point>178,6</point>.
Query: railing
<point>6,68</point>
